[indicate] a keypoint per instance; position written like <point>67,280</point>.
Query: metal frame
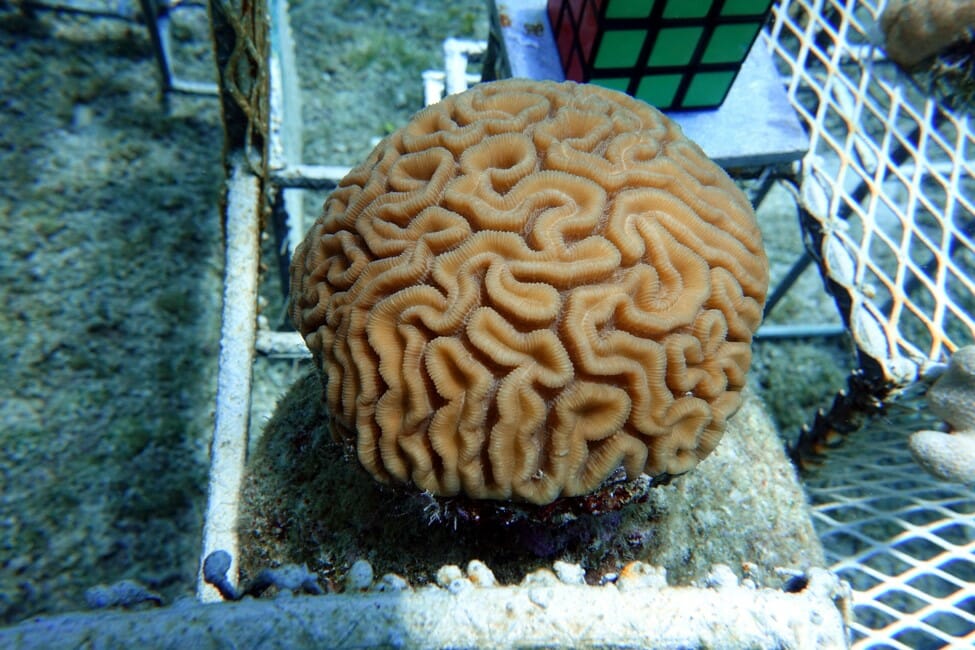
<point>904,540</point>
<point>242,48</point>
<point>885,202</point>
<point>156,15</point>
<point>240,336</point>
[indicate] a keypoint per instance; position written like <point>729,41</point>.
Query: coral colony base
<point>306,501</point>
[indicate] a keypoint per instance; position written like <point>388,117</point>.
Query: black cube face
<point>673,54</point>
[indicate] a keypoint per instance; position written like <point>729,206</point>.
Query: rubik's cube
<point>673,54</point>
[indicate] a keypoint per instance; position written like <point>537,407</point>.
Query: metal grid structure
<point>884,202</point>
<point>888,185</point>
<point>885,198</point>
<point>902,539</point>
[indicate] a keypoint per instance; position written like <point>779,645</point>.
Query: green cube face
<point>658,89</point>
<point>730,43</point>
<point>614,83</point>
<point>708,89</point>
<point>620,48</point>
<point>674,46</point>
<point>744,7</point>
<point>629,8</point>
<point>687,8</point>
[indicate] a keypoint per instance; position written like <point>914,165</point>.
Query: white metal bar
<point>282,344</point>
<point>308,176</point>
<point>237,339</point>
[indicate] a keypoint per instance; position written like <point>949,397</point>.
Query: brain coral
<point>528,286</point>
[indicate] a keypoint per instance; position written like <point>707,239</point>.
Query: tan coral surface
<point>530,285</point>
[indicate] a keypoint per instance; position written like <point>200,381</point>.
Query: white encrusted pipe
<point>544,611</point>
<point>237,337</point>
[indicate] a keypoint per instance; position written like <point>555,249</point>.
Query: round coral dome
<point>527,287</point>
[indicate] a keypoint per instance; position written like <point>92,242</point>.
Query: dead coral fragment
<point>527,287</point>
<point>917,29</point>
<point>951,455</point>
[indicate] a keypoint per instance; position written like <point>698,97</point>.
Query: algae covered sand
<point>109,314</point>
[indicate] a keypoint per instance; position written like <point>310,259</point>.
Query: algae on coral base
<point>307,501</point>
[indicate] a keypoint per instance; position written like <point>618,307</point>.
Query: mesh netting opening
<point>893,186</point>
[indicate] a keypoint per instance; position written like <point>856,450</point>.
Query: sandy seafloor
<point>111,271</point>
